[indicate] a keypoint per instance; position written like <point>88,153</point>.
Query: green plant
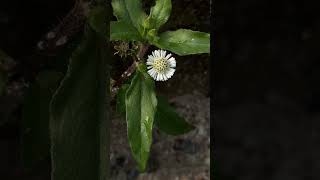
<point>137,98</point>
<point>66,115</point>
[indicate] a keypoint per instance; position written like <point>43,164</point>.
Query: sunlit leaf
<point>141,106</point>
<point>160,13</point>
<point>184,42</point>
<point>120,30</point>
<point>120,10</point>
<point>137,14</point>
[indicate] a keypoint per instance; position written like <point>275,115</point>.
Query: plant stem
<point>130,70</point>
<point>142,50</point>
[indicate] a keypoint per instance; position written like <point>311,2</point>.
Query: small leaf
<point>137,14</point>
<point>168,121</point>
<point>123,29</point>
<point>121,99</point>
<point>79,115</point>
<point>141,105</point>
<point>120,10</point>
<point>151,35</point>
<point>35,123</point>
<point>97,19</point>
<point>184,42</point>
<point>120,30</point>
<point>160,13</point>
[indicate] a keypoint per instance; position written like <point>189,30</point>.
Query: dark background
<point>22,25</point>
<point>266,87</point>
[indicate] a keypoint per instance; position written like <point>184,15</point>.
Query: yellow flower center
<point>160,65</point>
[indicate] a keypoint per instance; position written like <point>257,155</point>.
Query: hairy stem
<point>130,70</point>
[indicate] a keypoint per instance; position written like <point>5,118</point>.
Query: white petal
<point>165,77</point>
<point>157,53</point>
<point>168,56</point>
<point>170,72</point>
<point>154,75</point>
<point>151,72</point>
<point>161,77</point>
<point>150,58</point>
<point>172,62</point>
<point>163,53</point>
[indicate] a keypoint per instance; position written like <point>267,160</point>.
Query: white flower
<point>161,66</point>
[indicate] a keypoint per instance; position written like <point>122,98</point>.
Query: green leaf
<point>97,19</point>
<point>120,30</point>
<point>79,114</point>
<point>35,113</point>
<point>184,42</point>
<point>121,99</point>
<point>137,14</point>
<point>168,121</point>
<point>120,10</point>
<point>160,13</point>
<point>151,35</point>
<point>123,29</point>
<point>141,103</point>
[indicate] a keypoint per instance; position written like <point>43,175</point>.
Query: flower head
<point>160,65</point>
